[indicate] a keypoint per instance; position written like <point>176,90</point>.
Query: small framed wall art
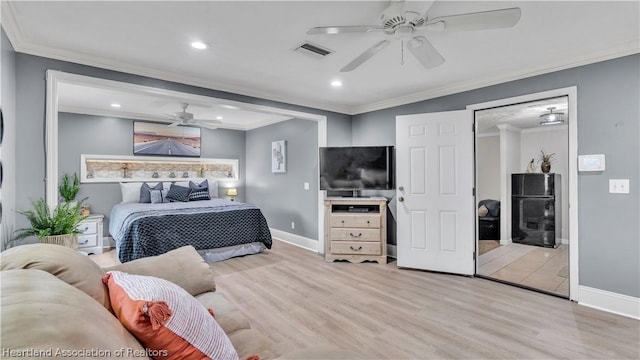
<point>279,156</point>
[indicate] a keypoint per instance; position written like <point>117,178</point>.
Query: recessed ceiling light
<point>219,117</point>
<point>336,83</point>
<point>115,105</point>
<point>198,45</point>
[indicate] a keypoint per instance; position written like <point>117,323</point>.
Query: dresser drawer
<point>356,248</point>
<point>355,234</point>
<point>359,221</point>
<point>87,240</point>
<point>89,227</point>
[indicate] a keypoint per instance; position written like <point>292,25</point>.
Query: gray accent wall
<point>282,196</point>
<point>8,146</point>
<point>608,123</point>
<point>30,116</point>
<point>87,134</point>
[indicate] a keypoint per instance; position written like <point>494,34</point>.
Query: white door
<point>435,202</point>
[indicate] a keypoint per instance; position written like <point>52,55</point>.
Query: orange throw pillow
<point>166,319</point>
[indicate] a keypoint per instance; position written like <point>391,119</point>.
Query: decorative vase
<point>68,240</point>
<point>545,166</point>
<point>86,210</point>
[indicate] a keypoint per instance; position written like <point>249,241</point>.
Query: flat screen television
<point>356,168</point>
<point>161,139</point>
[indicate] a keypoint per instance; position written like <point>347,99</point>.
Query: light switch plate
<point>306,186</point>
<point>619,186</point>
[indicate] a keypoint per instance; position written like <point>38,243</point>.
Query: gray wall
<point>608,123</point>
<point>282,196</point>
<point>488,168</point>
<point>8,146</point>
<point>87,134</point>
<point>30,115</point>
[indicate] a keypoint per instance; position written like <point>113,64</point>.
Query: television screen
<point>161,139</point>
<point>358,167</point>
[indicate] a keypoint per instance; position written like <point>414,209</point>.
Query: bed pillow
<point>145,192</point>
<point>166,319</point>
<point>213,189</point>
<point>156,196</point>
<point>178,193</point>
<point>199,192</point>
<point>130,191</point>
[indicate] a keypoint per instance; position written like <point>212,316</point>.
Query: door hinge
<point>474,255</point>
<point>473,191</point>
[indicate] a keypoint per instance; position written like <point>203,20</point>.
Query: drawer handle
<point>343,221</point>
<point>354,249</point>
<point>354,235</point>
<point>86,228</point>
<point>84,242</point>
<point>368,222</point>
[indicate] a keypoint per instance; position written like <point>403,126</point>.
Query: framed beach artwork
<point>279,156</point>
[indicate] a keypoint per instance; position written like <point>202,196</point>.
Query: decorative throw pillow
<point>156,196</point>
<point>130,191</point>
<point>145,192</point>
<point>178,193</point>
<point>166,319</point>
<point>483,211</point>
<point>199,192</point>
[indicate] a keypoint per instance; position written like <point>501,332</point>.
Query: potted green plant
<point>69,187</point>
<point>59,226</point>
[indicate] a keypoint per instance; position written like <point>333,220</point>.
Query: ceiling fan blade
<point>485,20</point>
<point>331,30</point>
<point>422,49</point>
<point>176,123</point>
<point>208,121</point>
<point>366,55</point>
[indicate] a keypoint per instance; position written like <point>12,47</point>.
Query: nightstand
<point>90,238</point>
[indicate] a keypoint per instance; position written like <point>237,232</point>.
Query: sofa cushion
<point>39,311</point>
<point>165,318</point>
<point>182,266</point>
<point>227,315</point>
<point>251,343</point>
<point>68,265</point>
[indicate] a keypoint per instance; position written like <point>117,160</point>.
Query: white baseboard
<point>506,241</point>
<point>620,304</point>
<point>107,242</point>
<point>297,240</point>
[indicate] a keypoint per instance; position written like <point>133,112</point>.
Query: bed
<point>217,228</point>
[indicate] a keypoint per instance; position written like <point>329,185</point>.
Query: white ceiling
<point>251,45</point>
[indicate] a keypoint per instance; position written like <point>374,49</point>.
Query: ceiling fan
<point>401,24</point>
<point>186,118</point>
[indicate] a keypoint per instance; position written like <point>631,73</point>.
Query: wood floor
<point>292,296</point>
<point>534,266</point>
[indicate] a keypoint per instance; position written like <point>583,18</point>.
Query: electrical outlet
<point>293,225</point>
<point>619,186</point>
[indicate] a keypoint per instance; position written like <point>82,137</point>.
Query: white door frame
<point>55,78</point>
<point>572,94</point>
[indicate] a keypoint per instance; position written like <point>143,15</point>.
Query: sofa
<point>54,303</point>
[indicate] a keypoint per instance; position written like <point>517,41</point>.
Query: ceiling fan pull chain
<point>401,52</point>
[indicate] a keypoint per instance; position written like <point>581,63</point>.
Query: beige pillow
<point>483,211</point>
<point>39,311</point>
<point>182,266</point>
<point>68,265</point>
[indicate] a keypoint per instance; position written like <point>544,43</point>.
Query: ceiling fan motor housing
<point>393,16</point>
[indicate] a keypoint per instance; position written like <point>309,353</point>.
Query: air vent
<point>313,49</point>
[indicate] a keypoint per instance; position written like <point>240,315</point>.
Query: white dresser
<point>90,238</point>
<point>356,229</point>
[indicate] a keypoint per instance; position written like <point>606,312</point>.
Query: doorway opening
<point>523,218</point>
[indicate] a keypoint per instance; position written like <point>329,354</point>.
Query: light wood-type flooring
<point>298,300</point>
<point>534,266</point>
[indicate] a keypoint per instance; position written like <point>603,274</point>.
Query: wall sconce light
<point>232,192</point>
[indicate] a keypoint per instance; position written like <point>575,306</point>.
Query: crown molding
<point>629,48</point>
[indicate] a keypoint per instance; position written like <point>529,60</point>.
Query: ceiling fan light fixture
<point>551,118</point>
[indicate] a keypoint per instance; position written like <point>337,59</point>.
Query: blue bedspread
<point>142,230</point>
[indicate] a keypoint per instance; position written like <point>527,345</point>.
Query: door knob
<point>401,199</point>
<point>401,188</point>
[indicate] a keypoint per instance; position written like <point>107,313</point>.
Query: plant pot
<point>545,166</point>
<point>68,240</point>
